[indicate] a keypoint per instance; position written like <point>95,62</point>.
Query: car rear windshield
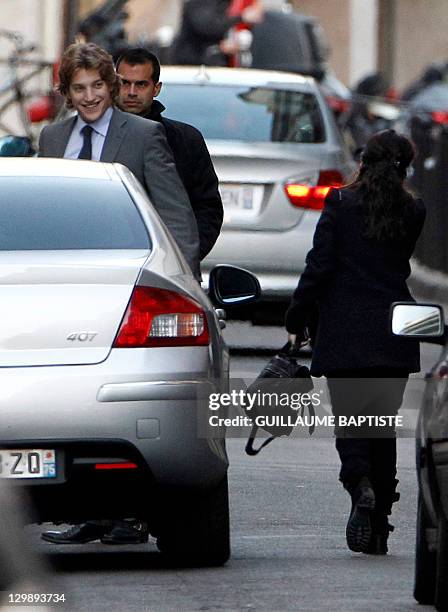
<point>55,213</point>
<point>248,114</point>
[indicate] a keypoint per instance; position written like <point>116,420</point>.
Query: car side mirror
<point>16,146</point>
<point>232,286</point>
<point>422,322</point>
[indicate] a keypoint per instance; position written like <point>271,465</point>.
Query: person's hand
<point>253,14</point>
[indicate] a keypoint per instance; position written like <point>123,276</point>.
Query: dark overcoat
<point>351,281</point>
<point>196,171</point>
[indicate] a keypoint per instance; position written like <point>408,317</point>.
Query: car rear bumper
<point>90,486</point>
<point>123,409</point>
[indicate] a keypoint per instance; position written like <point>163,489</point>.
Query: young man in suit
<point>102,132</point>
<point>139,71</point>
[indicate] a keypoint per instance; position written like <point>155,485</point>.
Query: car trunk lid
<point>252,178</point>
<point>63,307</point>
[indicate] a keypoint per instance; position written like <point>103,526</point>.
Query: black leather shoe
<point>359,528</point>
<point>78,534</point>
<point>131,533</point>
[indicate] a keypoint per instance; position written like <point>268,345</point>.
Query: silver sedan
<point>107,347</point>
<point>276,150</point>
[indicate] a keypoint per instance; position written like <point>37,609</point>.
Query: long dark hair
<point>379,182</point>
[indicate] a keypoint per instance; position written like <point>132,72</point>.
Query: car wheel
<point>441,599</point>
<point>425,560</point>
<point>195,530</point>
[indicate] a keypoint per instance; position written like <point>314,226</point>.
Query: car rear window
<point>55,213</point>
<point>248,114</point>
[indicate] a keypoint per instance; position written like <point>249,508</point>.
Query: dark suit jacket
<point>352,281</point>
<point>141,146</point>
<point>196,171</point>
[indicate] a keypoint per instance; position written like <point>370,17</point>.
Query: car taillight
<point>440,117</point>
<point>307,196</point>
<point>160,317</point>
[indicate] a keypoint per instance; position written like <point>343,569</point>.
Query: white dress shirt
<point>76,140</point>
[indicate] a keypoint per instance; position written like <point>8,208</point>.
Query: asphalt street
<point>288,515</point>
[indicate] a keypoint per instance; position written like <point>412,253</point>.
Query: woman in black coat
<point>357,268</point>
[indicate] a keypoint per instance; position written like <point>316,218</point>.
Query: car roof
<point>203,75</point>
<point>65,168</point>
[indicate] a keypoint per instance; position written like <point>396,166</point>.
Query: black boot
<point>359,526</point>
<point>380,533</point>
<point>380,524</point>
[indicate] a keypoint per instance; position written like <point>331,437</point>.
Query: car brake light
<point>160,317</point>
<point>440,117</point>
<point>307,196</point>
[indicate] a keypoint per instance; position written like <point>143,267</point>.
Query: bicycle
<point>21,105</point>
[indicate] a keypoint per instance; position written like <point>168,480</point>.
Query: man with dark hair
<point>101,132</point>
<point>139,70</point>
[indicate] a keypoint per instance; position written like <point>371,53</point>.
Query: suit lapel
<point>59,143</point>
<point>114,136</point>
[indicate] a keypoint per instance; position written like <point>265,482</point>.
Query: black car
<point>425,323</point>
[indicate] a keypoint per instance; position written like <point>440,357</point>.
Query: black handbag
<point>281,377</point>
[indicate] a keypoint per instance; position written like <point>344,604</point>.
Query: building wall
<point>421,37</point>
<point>334,16</point>
<point>41,27</point>
<point>145,16</point>
<point>363,39</point>
<point>417,36</point>
<point>12,19</point>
